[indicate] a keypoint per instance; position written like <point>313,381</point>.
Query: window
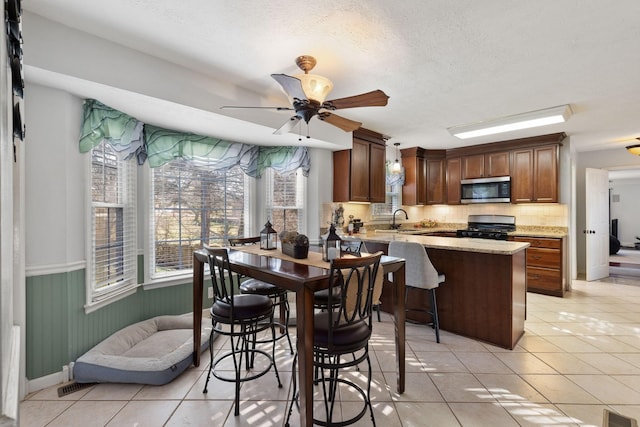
<point>392,202</point>
<point>191,205</point>
<point>285,202</point>
<point>113,265</point>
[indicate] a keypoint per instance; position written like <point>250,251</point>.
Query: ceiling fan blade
<point>376,98</point>
<point>291,85</point>
<point>287,126</point>
<point>344,124</point>
<point>265,108</point>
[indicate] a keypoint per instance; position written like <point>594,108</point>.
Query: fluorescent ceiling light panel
<point>528,120</point>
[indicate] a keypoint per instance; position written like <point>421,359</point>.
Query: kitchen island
<point>484,293</point>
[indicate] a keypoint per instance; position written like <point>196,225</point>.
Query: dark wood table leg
<point>198,280</point>
<point>400,317</point>
<point>304,344</point>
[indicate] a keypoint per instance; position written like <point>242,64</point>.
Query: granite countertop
<point>524,231</point>
<point>500,247</point>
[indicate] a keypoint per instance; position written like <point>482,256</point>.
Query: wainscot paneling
<point>59,331</point>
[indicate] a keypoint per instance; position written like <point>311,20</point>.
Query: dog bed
<point>154,351</point>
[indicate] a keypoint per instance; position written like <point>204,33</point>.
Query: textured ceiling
<point>443,63</point>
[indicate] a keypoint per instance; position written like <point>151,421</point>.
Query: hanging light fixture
<point>314,86</point>
<point>397,167</point>
<point>634,149</point>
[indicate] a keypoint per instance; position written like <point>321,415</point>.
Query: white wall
<point>625,206</point>
<point>319,191</point>
<point>55,181</point>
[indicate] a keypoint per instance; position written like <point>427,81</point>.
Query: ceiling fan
<point>308,93</point>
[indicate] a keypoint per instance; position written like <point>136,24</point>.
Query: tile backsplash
<point>530,214</point>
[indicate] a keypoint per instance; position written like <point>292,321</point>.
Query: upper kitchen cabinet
<point>436,176</point>
<point>485,165</point>
<point>532,164</point>
<point>424,176</point>
<point>359,173</point>
<point>454,175</point>
<point>535,174</point>
<point>414,190</point>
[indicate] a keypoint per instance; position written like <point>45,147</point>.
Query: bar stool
<point>344,329</point>
<point>278,295</point>
<point>240,317</point>
<point>420,273</point>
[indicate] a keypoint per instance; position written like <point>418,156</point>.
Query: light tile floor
<point>579,355</point>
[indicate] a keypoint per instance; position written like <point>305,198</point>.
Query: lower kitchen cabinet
<point>545,264</point>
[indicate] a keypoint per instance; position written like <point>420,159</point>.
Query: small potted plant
<point>294,244</point>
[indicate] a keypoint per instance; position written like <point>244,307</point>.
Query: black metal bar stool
<point>277,294</point>
<point>340,330</point>
<point>240,317</point>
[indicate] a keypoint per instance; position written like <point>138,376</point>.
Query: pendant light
<point>397,167</point>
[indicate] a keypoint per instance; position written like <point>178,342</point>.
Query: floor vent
<point>72,388</point>
<point>612,419</point>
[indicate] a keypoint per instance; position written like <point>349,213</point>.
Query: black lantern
<point>268,237</point>
<point>331,245</point>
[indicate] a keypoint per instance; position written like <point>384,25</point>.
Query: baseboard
<point>50,380</point>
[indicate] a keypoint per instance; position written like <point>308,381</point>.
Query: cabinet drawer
<point>540,242</point>
<point>543,257</point>
<point>544,278</point>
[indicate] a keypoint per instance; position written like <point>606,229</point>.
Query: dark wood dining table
<point>304,280</point>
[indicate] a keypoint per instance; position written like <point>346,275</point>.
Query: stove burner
<point>493,227</point>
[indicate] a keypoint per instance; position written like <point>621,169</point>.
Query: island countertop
<point>466,244</point>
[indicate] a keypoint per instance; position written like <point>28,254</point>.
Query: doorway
<point>624,202</point>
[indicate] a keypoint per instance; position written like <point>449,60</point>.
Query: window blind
<point>113,223</point>
<point>285,201</point>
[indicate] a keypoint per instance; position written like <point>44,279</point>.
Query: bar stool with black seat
<point>342,330</point>
<point>277,294</point>
<point>347,247</point>
<point>353,247</point>
<point>419,273</point>
<point>240,317</point>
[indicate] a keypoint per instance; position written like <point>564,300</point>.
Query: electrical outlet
<point>210,292</point>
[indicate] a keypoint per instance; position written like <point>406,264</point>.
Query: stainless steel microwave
<point>486,190</point>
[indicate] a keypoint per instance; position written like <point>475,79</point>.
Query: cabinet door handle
<point>536,257</point>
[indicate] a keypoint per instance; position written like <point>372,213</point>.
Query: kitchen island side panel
<point>484,295</point>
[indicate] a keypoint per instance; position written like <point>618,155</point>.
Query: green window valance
<point>159,146</point>
<point>121,131</point>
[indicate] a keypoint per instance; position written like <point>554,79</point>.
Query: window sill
<point>166,282</point>
<point>113,297</point>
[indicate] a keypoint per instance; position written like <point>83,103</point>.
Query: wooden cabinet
<point>535,174</point>
<point>545,265</point>
<point>436,176</point>
<point>453,180</point>
<point>414,190</point>
<point>485,165</point>
<point>424,176</point>
<point>359,173</point>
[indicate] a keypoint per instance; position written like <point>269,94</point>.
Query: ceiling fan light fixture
<point>315,87</point>
<point>527,120</point>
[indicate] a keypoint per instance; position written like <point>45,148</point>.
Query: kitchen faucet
<point>395,226</point>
